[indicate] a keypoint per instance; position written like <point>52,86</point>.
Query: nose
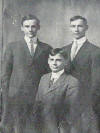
<point>30,28</point>
<point>54,63</point>
<point>76,28</point>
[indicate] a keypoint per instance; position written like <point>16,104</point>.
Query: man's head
<point>30,25</point>
<point>57,60</point>
<point>78,26</point>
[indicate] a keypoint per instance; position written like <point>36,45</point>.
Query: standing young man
<point>85,66</point>
<point>24,64</point>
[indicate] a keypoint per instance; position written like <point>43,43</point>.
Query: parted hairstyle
<point>56,51</point>
<point>30,17</point>
<point>64,54</point>
<point>79,17</point>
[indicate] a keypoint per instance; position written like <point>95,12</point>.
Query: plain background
<point>54,16</point>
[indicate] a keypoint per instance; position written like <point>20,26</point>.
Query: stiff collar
<point>81,40</point>
<point>34,39</point>
<point>56,75</point>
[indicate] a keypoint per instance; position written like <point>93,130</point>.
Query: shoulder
<point>67,46</point>
<point>93,50</point>
<point>45,76</point>
<point>92,46</point>
<point>72,81</point>
<point>14,44</point>
<point>44,45</point>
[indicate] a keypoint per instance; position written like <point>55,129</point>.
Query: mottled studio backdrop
<point>54,16</point>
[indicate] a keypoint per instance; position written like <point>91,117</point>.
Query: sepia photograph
<point>50,66</point>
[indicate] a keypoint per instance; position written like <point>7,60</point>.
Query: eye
<point>51,59</point>
<point>72,26</point>
<point>33,26</point>
<point>27,26</point>
<point>81,26</point>
<point>59,60</point>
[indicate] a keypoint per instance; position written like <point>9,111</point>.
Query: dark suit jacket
<point>57,103</point>
<point>86,68</point>
<point>22,72</point>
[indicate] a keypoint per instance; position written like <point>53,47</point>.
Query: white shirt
<point>27,39</point>
<point>80,43</point>
<point>56,76</point>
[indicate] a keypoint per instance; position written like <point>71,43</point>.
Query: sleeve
<point>38,102</point>
<point>7,67</point>
<point>47,69</point>
<point>73,89</point>
<point>95,77</point>
<point>72,102</point>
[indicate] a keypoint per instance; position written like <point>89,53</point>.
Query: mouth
<point>54,67</point>
<point>76,33</point>
<point>31,33</point>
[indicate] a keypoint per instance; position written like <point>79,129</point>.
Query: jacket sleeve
<point>7,69</point>
<point>95,77</point>
<point>73,102</point>
<point>38,102</point>
<point>72,89</point>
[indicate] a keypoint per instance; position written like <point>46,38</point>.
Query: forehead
<point>30,22</point>
<point>57,56</point>
<point>77,22</point>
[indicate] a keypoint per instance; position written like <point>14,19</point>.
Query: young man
<point>57,98</point>
<point>24,63</point>
<point>85,66</point>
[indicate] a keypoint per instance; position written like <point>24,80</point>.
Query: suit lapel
<point>26,49</point>
<point>80,52</point>
<point>38,50</point>
<point>57,84</point>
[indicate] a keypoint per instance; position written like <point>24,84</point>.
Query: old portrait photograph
<point>50,66</point>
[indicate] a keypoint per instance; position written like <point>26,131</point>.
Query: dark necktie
<point>73,50</point>
<point>32,48</point>
<point>51,82</point>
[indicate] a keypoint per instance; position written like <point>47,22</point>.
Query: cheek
<point>35,29</point>
<point>71,29</point>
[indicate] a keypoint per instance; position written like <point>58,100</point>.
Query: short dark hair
<point>60,51</point>
<point>30,17</point>
<point>79,17</point>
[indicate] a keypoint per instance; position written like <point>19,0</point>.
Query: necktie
<point>31,48</point>
<point>51,82</point>
<point>73,50</point>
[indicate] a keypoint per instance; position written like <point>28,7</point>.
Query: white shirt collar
<point>81,40</point>
<point>27,39</point>
<point>55,76</point>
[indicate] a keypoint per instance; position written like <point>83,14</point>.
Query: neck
<point>80,37</point>
<point>55,73</point>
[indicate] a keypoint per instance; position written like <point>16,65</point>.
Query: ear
<point>21,28</point>
<point>38,27</point>
<point>87,27</point>
<point>48,60</point>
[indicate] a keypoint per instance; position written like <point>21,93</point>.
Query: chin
<point>31,36</point>
<point>55,71</point>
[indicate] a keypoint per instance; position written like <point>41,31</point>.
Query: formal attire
<point>21,75</point>
<point>56,103</point>
<point>85,66</point>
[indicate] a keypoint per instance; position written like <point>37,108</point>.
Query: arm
<point>38,103</point>
<point>73,89</point>
<point>6,74</point>
<point>95,77</point>
<point>73,101</point>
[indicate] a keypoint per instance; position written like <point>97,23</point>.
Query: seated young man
<point>57,98</point>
